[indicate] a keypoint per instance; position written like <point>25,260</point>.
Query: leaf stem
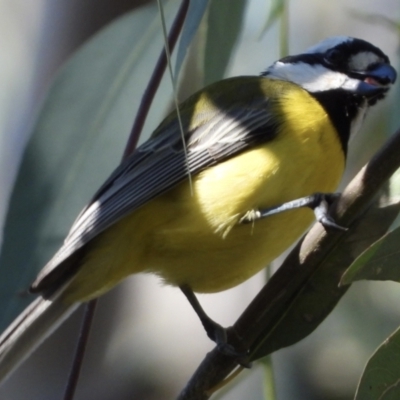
<point>268,378</point>
<point>155,80</point>
<point>284,30</point>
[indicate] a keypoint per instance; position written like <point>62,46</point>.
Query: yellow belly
<point>195,238</point>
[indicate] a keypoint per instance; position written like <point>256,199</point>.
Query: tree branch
<point>257,323</point>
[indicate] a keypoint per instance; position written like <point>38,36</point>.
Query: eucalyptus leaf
<point>224,25</point>
<point>77,141</point>
<point>381,377</point>
<point>194,16</point>
<point>309,301</point>
<point>380,262</point>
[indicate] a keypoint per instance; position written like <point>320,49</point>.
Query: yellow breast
<point>195,238</point>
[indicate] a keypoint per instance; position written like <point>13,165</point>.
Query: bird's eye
<point>334,57</point>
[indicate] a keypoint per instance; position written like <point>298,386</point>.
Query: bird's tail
<point>29,330</point>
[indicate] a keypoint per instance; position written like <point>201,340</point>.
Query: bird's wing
<point>161,163</point>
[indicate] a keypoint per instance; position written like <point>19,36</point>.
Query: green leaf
<point>224,24</point>
<point>380,262</point>
<point>381,377</point>
<point>77,141</point>
<point>194,16</point>
<point>306,303</point>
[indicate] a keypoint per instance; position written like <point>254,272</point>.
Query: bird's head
<point>339,63</point>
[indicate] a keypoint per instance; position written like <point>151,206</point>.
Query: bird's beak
<point>375,81</point>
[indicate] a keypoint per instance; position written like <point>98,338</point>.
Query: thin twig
<point>80,350</point>
<point>301,263</point>
<point>140,118</point>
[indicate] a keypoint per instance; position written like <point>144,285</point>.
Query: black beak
<point>386,73</point>
<point>375,81</point>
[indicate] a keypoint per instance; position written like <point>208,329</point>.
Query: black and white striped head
<point>339,63</point>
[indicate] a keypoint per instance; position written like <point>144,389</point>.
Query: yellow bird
<point>254,143</point>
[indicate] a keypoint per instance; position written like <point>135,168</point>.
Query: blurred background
<point>146,341</point>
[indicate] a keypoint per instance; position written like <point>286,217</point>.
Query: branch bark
<point>315,250</point>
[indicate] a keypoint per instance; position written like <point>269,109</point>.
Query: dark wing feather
<point>160,164</point>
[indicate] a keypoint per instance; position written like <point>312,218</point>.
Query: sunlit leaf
<point>394,184</point>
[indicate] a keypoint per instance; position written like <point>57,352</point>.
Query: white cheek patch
<point>314,78</point>
<point>361,61</point>
<point>325,80</point>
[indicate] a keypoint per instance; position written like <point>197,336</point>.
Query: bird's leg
<point>215,331</point>
<point>318,202</point>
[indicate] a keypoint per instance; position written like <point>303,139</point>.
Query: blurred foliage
<point>88,112</point>
<point>192,22</point>
<point>221,36</point>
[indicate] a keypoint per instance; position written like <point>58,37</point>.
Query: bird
<point>260,154</point>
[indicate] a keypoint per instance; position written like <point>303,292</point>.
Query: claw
<point>321,212</point>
